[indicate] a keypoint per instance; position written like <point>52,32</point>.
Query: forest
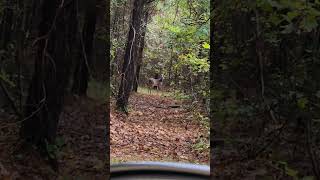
<point>56,69</point>
<point>264,89</point>
<point>160,81</point>
<point>87,85</point>
<point>53,92</point>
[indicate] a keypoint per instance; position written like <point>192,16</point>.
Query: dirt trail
<point>153,131</point>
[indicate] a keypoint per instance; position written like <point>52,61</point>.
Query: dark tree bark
<point>214,72</point>
<point>136,80</point>
<point>140,51</point>
<point>20,40</point>
<point>6,32</point>
<point>170,68</point>
<point>13,30</point>
<point>103,62</point>
<point>128,70</point>
<point>116,35</point>
<point>6,24</point>
<point>44,103</point>
<point>81,74</point>
<point>101,43</point>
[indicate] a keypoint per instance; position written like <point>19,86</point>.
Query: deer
<point>155,83</point>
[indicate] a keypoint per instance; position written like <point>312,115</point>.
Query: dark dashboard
<point>159,171</point>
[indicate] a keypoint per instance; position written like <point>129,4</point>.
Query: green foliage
<point>98,90</point>
<point>5,78</point>
<point>181,96</point>
<point>206,45</point>
<point>178,44</point>
<point>286,35</point>
<point>204,120</point>
<point>201,145</point>
<point>308,178</point>
<point>287,170</point>
<point>54,149</point>
<point>278,20</point>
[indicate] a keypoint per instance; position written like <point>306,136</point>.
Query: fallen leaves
<point>82,127</point>
<point>153,133</point>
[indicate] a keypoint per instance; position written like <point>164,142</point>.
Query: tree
<point>101,43</point>
<point>131,52</point>
<point>177,46</point>
<point>140,51</point>
<point>84,60</point>
<point>44,103</point>
<point>6,23</point>
<point>15,23</point>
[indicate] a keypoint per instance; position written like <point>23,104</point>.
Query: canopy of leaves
<point>177,43</point>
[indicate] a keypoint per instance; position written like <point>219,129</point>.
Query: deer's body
<point>154,83</point>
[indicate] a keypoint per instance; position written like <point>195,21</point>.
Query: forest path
<point>155,131</point>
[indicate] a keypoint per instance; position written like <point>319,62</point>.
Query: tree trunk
<point>170,68</point>
<point>140,52</point>
<point>52,68</point>
<point>6,24</point>
<point>81,75</point>
<point>103,58</point>
<point>101,43</point>
<point>136,80</point>
<point>127,77</point>
<point>5,33</point>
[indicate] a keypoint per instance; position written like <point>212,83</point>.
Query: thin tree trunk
<point>170,68</point>
<point>140,52</point>
<point>20,40</point>
<point>127,77</point>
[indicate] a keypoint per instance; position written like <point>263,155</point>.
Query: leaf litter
<point>155,132</point>
<point>82,132</point>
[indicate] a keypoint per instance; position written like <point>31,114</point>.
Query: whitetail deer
<point>155,83</point>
